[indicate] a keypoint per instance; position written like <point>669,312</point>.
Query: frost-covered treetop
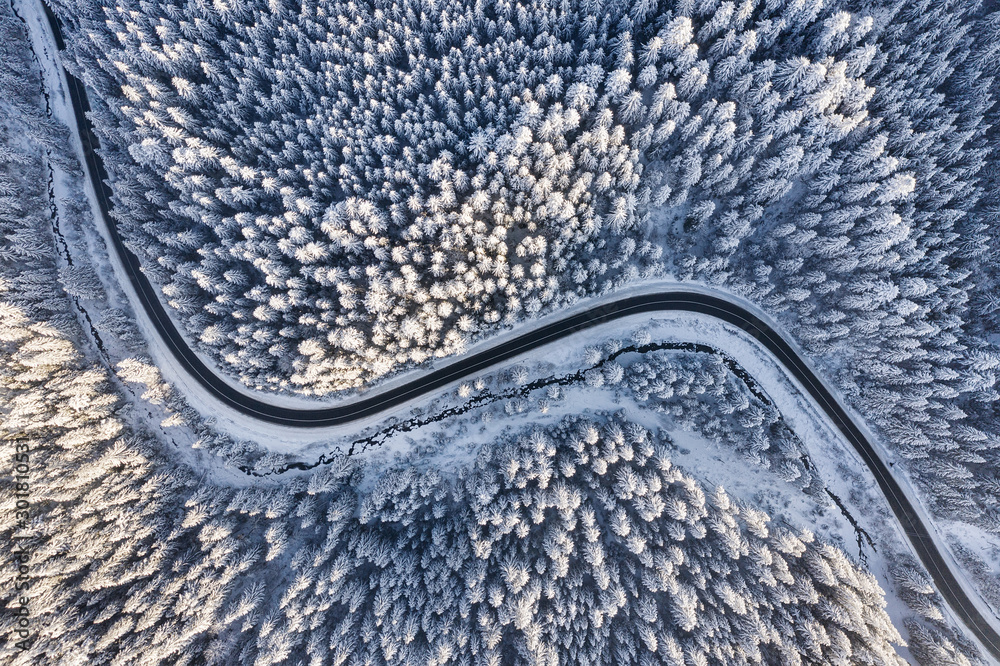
<point>328,190</point>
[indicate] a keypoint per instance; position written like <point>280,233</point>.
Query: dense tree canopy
<point>329,191</point>
<point>326,191</point>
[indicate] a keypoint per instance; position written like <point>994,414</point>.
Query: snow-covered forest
<point>574,543</point>
<point>329,193</point>
<point>329,190</point>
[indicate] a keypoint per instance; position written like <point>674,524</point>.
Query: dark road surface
<point>916,531</point>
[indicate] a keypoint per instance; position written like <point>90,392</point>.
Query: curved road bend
<point>909,518</point>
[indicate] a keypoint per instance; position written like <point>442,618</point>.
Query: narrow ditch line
<point>54,211</point>
<point>363,444</point>
<point>862,535</point>
<point>60,239</point>
<point>68,257</point>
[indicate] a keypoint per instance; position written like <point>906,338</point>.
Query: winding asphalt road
<point>687,301</point>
